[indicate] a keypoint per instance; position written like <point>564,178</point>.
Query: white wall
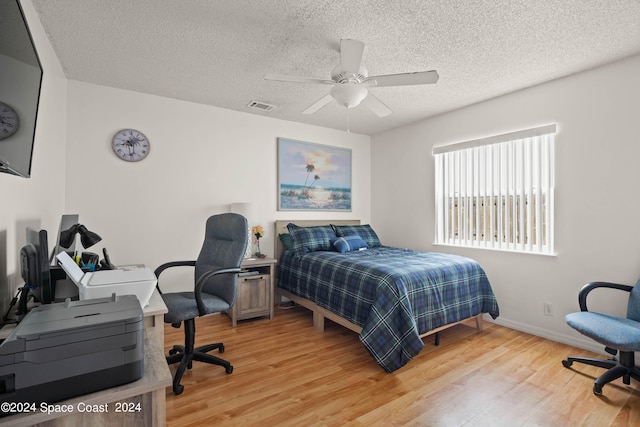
<point>38,201</point>
<point>597,203</point>
<point>202,159</point>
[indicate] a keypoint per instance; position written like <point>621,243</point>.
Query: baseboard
<point>582,343</point>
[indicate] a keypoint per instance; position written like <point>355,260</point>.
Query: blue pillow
<point>285,238</point>
<point>311,239</point>
<point>365,232</point>
<point>349,243</point>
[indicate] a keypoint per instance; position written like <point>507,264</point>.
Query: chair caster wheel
<point>178,389</point>
<point>597,390</point>
<point>229,370</point>
<point>567,363</point>
<point>172,352</point>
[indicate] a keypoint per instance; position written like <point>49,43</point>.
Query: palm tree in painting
<point>310,168</point>
<point>315,178</point>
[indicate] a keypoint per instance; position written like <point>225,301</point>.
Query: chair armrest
<point>584,292</point>
<point>204,278</point>
<point>167,265</point>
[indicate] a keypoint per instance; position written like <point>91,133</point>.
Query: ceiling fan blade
<point>294,79</point>
<point>350,55</point>
<point>405,79</point>
<point>319,104</point>
<point>378,107</point>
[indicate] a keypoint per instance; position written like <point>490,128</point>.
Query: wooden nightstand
<point>256,285</point>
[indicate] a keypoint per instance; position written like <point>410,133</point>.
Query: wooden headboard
<point>281,227</point>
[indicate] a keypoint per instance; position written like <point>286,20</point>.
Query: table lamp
<point>244,209</point>
<point>88,238</point>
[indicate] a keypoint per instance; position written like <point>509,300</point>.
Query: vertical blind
<point>497,192</point>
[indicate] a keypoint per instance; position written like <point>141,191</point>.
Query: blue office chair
<point>216,272</point>
<point>618,334</point>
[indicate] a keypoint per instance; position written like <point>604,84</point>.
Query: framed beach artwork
<point>313,177</point>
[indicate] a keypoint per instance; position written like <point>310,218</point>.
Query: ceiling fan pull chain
<point>348,121</point>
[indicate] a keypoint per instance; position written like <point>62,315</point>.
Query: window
<point>497,192</point>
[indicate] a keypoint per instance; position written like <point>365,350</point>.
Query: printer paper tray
<point>66,388</point>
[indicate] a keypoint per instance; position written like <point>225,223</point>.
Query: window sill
<point>488,248</point>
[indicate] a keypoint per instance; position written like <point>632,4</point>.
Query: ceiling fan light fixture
<point>349,94</point>
<point>350,80</point>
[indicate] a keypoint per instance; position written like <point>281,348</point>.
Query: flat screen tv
<point>20,82</point>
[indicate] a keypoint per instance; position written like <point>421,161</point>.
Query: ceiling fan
<point>351,81</point>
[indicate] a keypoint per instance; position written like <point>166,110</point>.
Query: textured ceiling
<point>216,52</point>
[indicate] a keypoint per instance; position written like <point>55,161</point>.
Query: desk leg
<point>159,408</point>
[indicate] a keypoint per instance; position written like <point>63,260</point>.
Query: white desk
<point>148,391</point>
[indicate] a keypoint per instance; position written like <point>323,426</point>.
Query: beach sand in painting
<point>301,197</point>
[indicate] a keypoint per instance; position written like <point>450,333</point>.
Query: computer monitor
<point>42,289</point>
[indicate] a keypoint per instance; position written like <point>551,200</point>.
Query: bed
<point>392,297</point>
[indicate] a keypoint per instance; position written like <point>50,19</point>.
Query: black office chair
<point>216,272</point>
<point>618,334</point>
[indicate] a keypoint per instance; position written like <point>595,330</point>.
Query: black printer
<point>67,349</point>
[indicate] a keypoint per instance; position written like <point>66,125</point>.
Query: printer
<point>72,348</point>
<point>98,284</point>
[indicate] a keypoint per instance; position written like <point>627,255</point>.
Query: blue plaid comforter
<point>394,294</point>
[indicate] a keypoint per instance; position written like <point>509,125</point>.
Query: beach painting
<point>313,177</point>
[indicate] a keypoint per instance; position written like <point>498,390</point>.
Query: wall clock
<point>9,122</point>
<point>130,145</point>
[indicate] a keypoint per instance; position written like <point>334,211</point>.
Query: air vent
<point>261,106</point>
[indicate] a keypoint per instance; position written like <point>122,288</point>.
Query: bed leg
<point>436,341</point>
<point>479,322</point>
<point>318,321</point>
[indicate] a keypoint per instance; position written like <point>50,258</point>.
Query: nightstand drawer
<point>255,290</point>
<point>254,296</point>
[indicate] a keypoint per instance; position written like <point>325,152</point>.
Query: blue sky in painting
<point>332,165</point>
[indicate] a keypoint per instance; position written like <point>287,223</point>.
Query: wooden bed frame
<point>320,313</point>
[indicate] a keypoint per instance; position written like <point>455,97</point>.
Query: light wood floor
<point>288,374</point>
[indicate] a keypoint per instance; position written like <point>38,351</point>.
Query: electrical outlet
<point>548,309</point>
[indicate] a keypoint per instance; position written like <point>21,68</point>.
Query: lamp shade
<point>245,209</point>
<point>88,238</point>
